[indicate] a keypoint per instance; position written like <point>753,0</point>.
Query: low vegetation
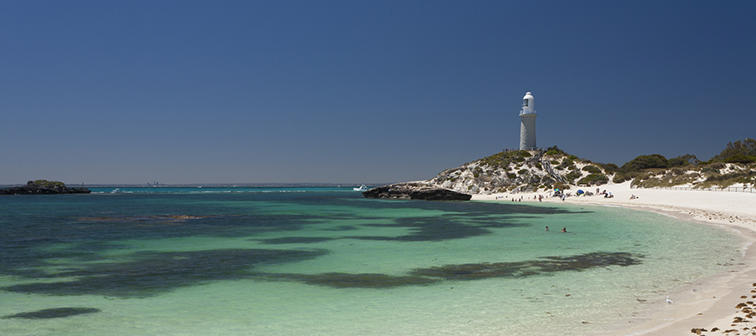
<point>592,169</point>
<point>593,179</point>
<point>736,164</point>
<point>46,184</point>
<point>572,176</point>
<point>505,158</point>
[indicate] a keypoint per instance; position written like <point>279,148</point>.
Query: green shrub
<point>672,177</point>
<point>620,177</point>
<point>572,176</point>
<point>683,160</point>
<point>504,159</point>
<point>477,172</point>
<point>609,167</point>
<point>645,162</point>
<point>591,179</point>
<point>677,171</point>
<point>547,180</point>
<point>708,170</point>
<point>740,158</point>
<point>717,165</point>
<point>46,184</point>
<point>554,150</point>
<point>566,163</point>
<point>592,169</point>
<point>746,177</point>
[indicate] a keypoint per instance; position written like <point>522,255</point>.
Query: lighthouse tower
<point>527,123</point>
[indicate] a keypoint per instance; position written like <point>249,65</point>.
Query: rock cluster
<point>416,190</point>
<point>43,187</point>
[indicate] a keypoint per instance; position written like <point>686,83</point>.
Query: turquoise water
<point>324,261</point>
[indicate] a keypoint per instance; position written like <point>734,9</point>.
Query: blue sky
<point>360,91</point>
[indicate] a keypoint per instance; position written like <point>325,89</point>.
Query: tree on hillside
<point>645,162</point>
<point>683,160</point>
<point>741,151</point>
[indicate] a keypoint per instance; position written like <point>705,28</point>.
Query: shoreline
<point>706,303</point>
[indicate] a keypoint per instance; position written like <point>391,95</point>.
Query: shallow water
<point>298,261</point>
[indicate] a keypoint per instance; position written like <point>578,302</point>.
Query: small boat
<point>115,191</point>
<point>361,188</point>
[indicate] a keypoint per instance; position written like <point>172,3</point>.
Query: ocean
<point>325,261</point>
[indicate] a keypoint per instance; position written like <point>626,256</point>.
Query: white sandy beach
<point>709,303</point>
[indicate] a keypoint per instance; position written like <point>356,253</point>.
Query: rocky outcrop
<point>417,191</point>
<point>43,187</point>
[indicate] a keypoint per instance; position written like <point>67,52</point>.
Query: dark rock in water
<point>420,191</point>
<point>53,313</point>
<point>43,187</point>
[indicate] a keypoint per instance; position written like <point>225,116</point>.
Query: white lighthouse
<point>527,123</point>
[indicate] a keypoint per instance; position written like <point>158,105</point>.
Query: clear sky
<point>360,91</point>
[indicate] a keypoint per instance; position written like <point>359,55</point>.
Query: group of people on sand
<point>564,229</point>
<point>563,195</point>
<point>605,193</point>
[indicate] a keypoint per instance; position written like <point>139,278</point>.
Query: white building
<point>528,123</point>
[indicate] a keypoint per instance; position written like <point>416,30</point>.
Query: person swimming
<point>547,228</point>
<point>564,229</point>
